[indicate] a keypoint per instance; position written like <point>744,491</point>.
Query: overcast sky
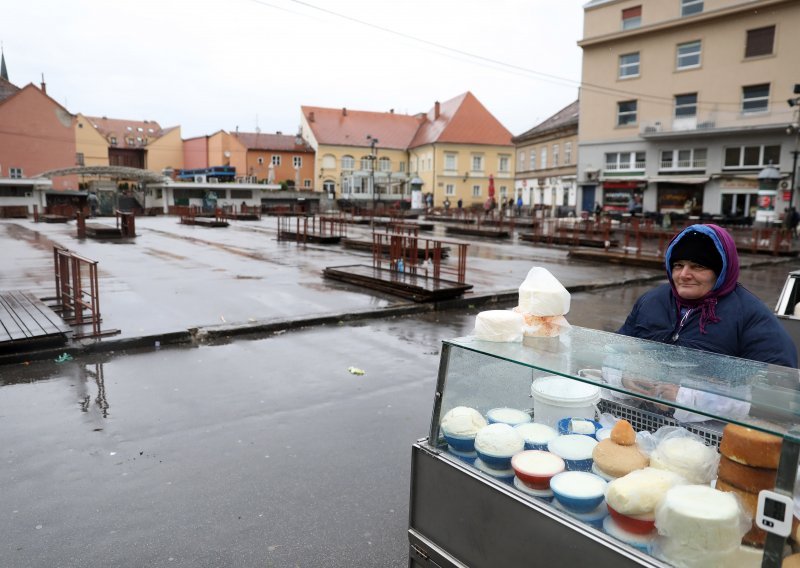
<point>209,65</point>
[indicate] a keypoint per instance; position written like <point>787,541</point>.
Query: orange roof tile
<point>123,128</point>
<point>462,120</point>
<point>345,127</point>
<point>278,142</point>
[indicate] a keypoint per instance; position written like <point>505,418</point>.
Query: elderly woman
<point>704,307</point>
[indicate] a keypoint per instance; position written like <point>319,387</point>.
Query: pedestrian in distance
<point>519,205</point>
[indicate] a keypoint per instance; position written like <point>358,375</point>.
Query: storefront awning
<point>624,184</point>
<point>683,180</point>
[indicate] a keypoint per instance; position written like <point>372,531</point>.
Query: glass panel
<point>688,54</point>
<point>666,159</point>
<point>686,105</point>
<point>629,65</point>
<point>503,376</point>
<point>772,154</point>
<point>689,7</point>
<point>752,155</point>
<point>732,157</point>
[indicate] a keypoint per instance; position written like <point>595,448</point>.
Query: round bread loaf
<point>617,460</point>
<point>745,477</point>
<point>755,536</point>
<point>750,447</point>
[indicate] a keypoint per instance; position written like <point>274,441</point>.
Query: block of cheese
<point>698,523</point>
<point>748,478</point>
<point>687,457</point>
<point>499,326</point>
<point>640,491</point>
<point>750,447</point>
<point>541,294</point>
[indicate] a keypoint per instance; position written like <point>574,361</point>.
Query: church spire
<point>3,70</point>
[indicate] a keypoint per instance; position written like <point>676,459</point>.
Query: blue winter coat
<point>747,329</point>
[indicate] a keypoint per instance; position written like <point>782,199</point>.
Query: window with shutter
<point>631,17</point>
<point>760,41</point>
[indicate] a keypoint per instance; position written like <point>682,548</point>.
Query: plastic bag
<point>543,326</point>
<point>541,294</point>
<point>498,325</point>
<point>676,449</point>
<point>698,543</point>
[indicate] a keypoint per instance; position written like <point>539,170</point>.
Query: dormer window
<point>129,128</point>
<point>113,140</point>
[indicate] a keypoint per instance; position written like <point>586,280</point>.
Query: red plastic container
<point>643,524</point>
<point>534,468</point>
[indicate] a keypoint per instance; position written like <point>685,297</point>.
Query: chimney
<point>278,133</point>
<point>391,111</point>
<point>44,85</point>
<point>311,116</point>
<point>344,111</point>
<point>436,110</point>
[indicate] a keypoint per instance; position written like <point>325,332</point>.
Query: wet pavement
<point>256,451</point>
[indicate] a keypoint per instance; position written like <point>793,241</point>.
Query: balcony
<point>716,123</point>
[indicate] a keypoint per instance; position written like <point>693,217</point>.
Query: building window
<point>476,191</point>
<point>385,164</point>
<point>15,173</point>
<point>543,157</point>
<point>329,162</point>
<point>533,158</point>
<point>260,160</point>
<point>113,140</point>
<point>450,162</point>
<point>79,159</point>
<point>626,113</point>
<point>503,166</point>
<point>297,161</point>
<point>752,156</point>
<point>629,65</point>
<point>690,7</point>
<point>450,189</point>
<point>348,162</point>
<point>567,153</point>
<point>631,18</point>
<point>477,163</point>
<point>689,54</point>
<point>276,160</point>
<point>760,41</point>
<point>366,163</point>
<point>520,161</point>
<point>306,183</point>
<point>555,155</point>
<point>686,105</point>
<point>401,166</point>
<point>755,98</point>
<point>694,158</point>
<point>625,161</point>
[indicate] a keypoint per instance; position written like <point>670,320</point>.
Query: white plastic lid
<point>564,392</point>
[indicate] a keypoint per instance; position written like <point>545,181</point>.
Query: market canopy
<point>113,172</point>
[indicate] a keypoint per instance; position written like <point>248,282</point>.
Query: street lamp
<point>372,157</point>
<point>795,104</point>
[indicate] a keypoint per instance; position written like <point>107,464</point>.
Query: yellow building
<point>547,158</point>
<point>683,103</point>
<point>449,153</point>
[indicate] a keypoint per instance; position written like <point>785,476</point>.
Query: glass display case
<point>467,511</point>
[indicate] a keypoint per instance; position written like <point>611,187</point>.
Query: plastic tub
<point>579,426</point>
<point>536,436</point>
<point>555,398</point>
<point>510,416</point>
<point>575,449</point>
<point>578,491</point>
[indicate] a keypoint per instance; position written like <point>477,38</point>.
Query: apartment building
<point>547,164</point>
<point>450,152</point>
<point>684,105</point>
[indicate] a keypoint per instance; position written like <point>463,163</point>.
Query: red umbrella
<point>491,185</point>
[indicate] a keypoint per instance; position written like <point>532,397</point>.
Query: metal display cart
<point>460,516</point>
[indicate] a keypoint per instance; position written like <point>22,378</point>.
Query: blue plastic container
<point>578,491</point>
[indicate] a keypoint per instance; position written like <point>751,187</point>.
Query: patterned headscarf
<point>727,278</point>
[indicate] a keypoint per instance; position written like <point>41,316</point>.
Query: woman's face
<point>692,280</point>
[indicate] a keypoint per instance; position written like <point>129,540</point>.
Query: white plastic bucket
<point>555,398</point>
